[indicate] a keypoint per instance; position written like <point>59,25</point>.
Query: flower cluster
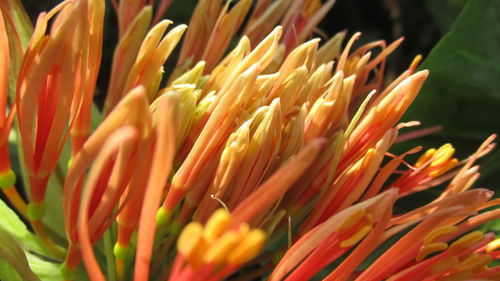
<point>267,160</point>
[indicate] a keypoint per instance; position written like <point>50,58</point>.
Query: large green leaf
<point>7,272</point>
<point>463,89</point>
<point>18,230</point>
<point>445,12</point>
<point>11,253</point>
<point>46,271</point>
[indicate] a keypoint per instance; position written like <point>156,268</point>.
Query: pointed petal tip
<point>182,26</point>
<point>393,192</point>
<point>278,29</point>
<point>137,93</point>
<point>487,193</point>
<point>421,75</point>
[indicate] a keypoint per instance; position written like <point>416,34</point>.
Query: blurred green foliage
<point>462,92</point>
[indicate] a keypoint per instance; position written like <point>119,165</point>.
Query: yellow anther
<point>249,247</point>
<point>493,245</point>
<point>356,237</point>
<point>439,232</point>
<point>216,225</point>
<point>428,249</point>
<point>473,262</point>
<point>219,250</point>
<point>444,264</point>
<point>192,245</point>
<point>426,157</point>
<point>352,220</point>
<point>445,168</point>
<point>244,229</point>
<point>442,155</point>
<point>466,241</point>
<point>416,61</point>
<point>189,239</point>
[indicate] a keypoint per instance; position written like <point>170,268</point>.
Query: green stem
<point>110,258</point>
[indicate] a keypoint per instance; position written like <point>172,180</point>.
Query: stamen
<point>442,155</point>
<point>428,249</point>
<point>466,241</point>
<point>249,247</point>
<point>444,264</point>
<point>416,61</point>
<point>213,196</point>
<point>356,237</point>
<point>425,157</point>
<point>445,168</point>
<point>218,251</point>
<point>189,239</point>
<point>352,220</point>
<point>216,225</point>
<point>474,262</point>
<point>439,232</point>
<point>493,245</point>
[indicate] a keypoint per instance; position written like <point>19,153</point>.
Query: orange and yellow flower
<point>271,160</point>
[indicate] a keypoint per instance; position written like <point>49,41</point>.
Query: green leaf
<point>18,230</point>
<point>7,272</point>
<point>46,271</point>
<point>12,253</point>
<point>444,12</point>
<point>462,92</point>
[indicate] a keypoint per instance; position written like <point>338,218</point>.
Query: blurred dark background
<point>378,19</point>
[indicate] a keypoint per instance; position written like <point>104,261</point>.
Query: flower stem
<point>41,232</point>
<point>108,251</point>
<point>120,269</point>
<point>16,200</point>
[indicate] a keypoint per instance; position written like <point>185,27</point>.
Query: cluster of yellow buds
<point>219,243</point>
<point>459,260</point>
<point>438,161</point>
<point>432,164</point>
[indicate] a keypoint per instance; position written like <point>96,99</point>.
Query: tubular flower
<point>7,176</point>
<point>270,160</point>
